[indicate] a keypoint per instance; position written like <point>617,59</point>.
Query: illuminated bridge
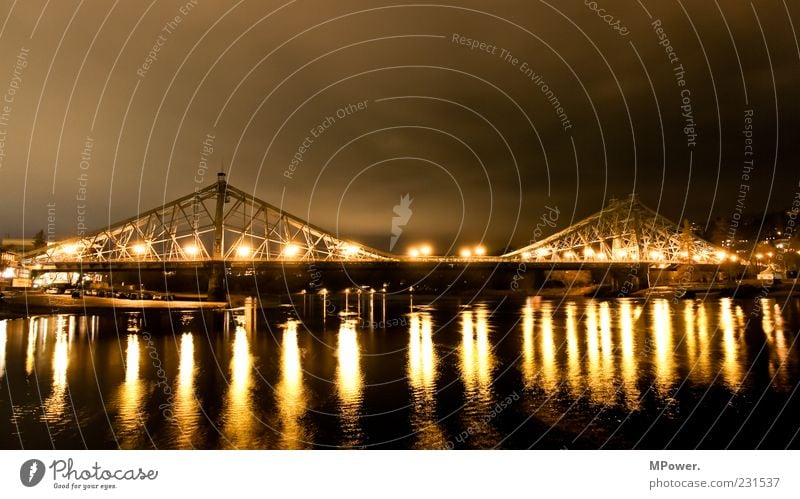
<point>221,233</point>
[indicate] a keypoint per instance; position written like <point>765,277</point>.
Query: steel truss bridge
<point>221,223</point>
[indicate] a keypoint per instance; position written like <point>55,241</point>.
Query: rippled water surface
<point>366,371</point>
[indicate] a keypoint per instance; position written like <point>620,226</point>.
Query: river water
<point>366,371</point>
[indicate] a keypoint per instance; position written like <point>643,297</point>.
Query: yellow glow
<point>528,361</point>
<point>689,334</point>
<point>734,258</point>
<point>70,249</point>
<point>139,249</point>
<point>422,377</point>
<point>465,253</point>
<point>526,255</point>
<point>480,251</point>
<point>3,337</point>
<point>413,252</point>
<point>467,355</point>
<point>483,347</point>
<point>542,252</point>
<point>588,252</point>
<point>191,250</point>
<point>697,258</point>
<point>548,355</point>
<point>129,425</point>
<point>628,358</point>
<point>186,410</point>
<point>291,250</point>
<point>289,392</point>
<point>243,251</point>
<point>662,336</point>
<point>656,255</point>
<point>731,368</point>
<point>30,353</point>
<point>703,371</point>
<point>573,351</point>
<point>349,249</point>
<point>425,250</point>
<point>55,405</point>
<point>593,352</point>
<point>349,379</point>
<point>569,254</point>
<point>239,425</point>
<point>600,256</point>
<point>621,254</point>
<point>759,256</point>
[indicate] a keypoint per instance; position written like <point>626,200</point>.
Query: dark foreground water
<point>502,372</point>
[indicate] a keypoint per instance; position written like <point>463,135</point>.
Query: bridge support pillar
<point>216,278</point>
<point>216,282</point>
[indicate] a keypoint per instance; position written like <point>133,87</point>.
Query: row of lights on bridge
<point>425,250</point>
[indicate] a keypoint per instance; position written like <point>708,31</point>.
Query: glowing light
<point>70,249</point>
<point>656,255</point>
<point>721,255</point>
<point>526,255</point>
<point>569,254</point>
<point>759,256</point>
<point>466,253</point>
<point>425,250</point>
<point>9,272</point>
<point>541,252</point>
<point>191,250</point>
<point>243,251</point>
<point>480,250</point>
<point>600,256</point>
<point>139,249</point>
<point>291,250</point>
<point>696,258</point>
<point>769,254</point>
<point>413,252</point>
<point>349,249</point>
<point>734,258</point>
<point>621,254</point>
<point>588,252</point>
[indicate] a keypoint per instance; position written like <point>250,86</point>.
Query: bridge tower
<point>216,280</point>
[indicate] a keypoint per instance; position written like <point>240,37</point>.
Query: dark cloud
<point>471,136</point>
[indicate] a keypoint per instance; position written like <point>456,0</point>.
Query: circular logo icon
<point>31,472</point>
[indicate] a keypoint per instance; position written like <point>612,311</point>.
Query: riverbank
<point>27,304</point>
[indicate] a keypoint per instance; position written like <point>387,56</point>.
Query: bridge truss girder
<point>184,230</point>
<point>624,231</point>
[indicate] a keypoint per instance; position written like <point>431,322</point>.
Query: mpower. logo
<point>31,472</point>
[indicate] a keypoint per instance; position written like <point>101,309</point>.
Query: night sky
<point>484,112</point>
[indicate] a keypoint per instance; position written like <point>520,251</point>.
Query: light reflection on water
<point>289,393</point>
<point>349,382</point>
<point>449,371</point>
